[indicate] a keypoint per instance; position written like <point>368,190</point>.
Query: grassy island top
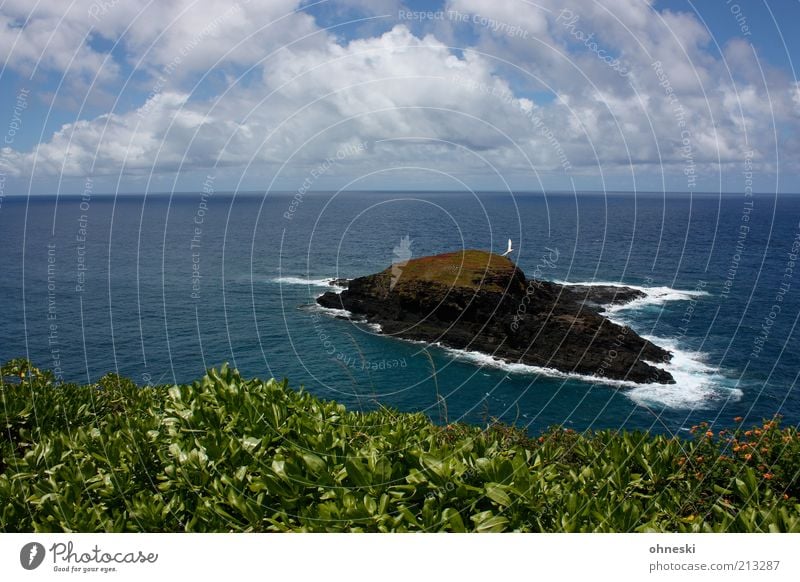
<point>467,268</point>
<point>230,454</point>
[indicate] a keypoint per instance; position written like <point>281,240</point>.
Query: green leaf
<point>250,443</point>
<point>452,518</point>
<point>357,472</point>
<point>497,493</point>
<point>486,522</point>
<point>315,464</point>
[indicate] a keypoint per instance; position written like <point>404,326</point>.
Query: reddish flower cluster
<point>770,450</point>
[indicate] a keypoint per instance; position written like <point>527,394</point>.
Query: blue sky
<point>379,94</point>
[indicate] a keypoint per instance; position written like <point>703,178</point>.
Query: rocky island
<point>480,301</point>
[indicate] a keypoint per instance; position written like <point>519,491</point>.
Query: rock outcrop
<point>481,301</point>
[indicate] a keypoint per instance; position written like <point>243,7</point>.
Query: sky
<point>124,96</point>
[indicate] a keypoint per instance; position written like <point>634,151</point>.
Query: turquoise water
<point>159,288</point>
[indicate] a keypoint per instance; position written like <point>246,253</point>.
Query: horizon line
<point>387,191</point>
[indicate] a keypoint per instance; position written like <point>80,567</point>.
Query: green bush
<point>229,454</point>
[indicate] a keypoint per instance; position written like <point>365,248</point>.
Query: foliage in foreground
<point>229,454</point>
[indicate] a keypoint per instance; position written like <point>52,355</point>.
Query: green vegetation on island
<point>229,454</point>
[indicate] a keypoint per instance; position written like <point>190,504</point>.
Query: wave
<point>653,295</point>
<point>656,296</point>
<point>309,282</point>
<point>334,312</point>
<point>486,360</point>
<point>697,385</point>
<point>326,282</point>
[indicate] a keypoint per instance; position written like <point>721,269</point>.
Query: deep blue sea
<point>160,287</point>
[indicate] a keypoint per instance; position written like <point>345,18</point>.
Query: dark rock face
<point>480,301</point>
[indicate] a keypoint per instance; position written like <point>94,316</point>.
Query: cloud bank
<point>545,94</point>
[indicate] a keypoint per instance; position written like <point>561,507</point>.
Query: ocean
<point>160,287</point>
